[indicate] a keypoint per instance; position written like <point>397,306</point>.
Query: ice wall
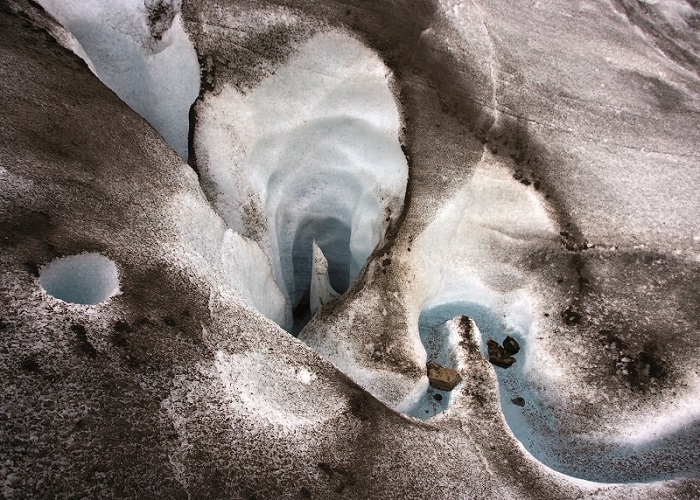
<point>139,49</point>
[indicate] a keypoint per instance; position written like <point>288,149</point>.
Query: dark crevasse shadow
<point>675,455</point>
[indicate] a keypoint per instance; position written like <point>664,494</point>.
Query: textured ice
<point>551,198</point>
<point>321,290</point>
<point>140,50</point>
<point>441,341</point>
<point>230,259</point>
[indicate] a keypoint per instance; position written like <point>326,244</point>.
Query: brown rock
<point>511,345</point>
<point>498,355</point>
<point>441,377</point>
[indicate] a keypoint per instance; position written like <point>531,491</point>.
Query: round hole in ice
<point>88,278</point>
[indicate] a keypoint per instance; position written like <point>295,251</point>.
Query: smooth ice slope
<point>140,50</point>
<point>88,278</point>
<point>311,153</point>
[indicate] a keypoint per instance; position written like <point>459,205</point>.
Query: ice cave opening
<point>88,278</point>
<point>325,167</point>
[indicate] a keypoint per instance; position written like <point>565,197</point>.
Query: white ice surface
<point>232,261</point>
<point>159,79</point>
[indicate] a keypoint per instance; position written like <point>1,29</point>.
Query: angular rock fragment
<point>442,378</point>
<point>498,355</point>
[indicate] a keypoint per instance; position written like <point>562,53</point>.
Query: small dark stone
<point>437,397</point>
<point>518,401</point>
<point>571,316</point>
<point>511,345</point>
<point>498,355</point>
<point>386,262</point>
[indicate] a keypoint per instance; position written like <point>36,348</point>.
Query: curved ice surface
<point>310,154</point>
<point>441,346</point>
<point>146,59</point>
<point>533,423</point>
<point>466,262</point>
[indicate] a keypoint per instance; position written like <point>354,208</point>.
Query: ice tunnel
<point>311,153</point>
<point>325,167</point>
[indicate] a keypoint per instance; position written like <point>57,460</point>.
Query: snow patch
<point>305,376</point>
<point>88,278</point>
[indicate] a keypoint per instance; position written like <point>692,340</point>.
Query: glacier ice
<point>497,230</point>
<point>140,50</point>
<point>321,291</point>
<point>311,153</point>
